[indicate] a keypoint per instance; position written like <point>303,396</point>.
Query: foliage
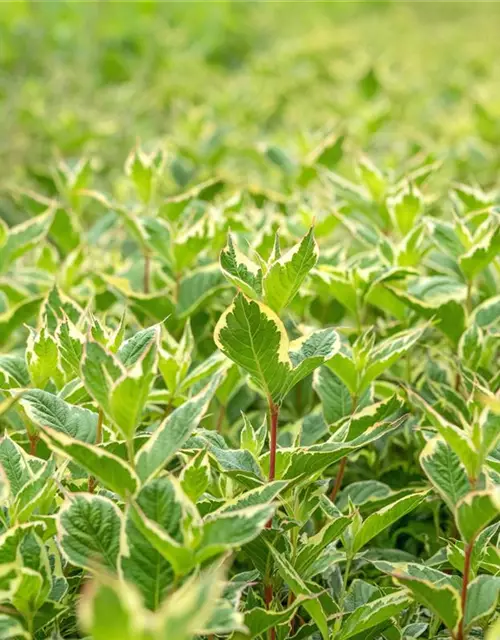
<point>249,375</point>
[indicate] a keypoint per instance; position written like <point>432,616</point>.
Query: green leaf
<point>175,362</point>
<point>15,316</point>
<point>381,520</point>
<point>4,487</point>
<point>29,595</point>
<point>332,283</point>
<point>140,560</point>
<point>100,369</point>
<point>308,462</point>
<point>342,364</point>
<point>197,287</point>
<point>232,529</point>
<point>173,433</point>
<point>373,613</point>
<point>311,550</point>
<point>158,237</point>
<point>147,307</point>
<point>371,177</point>
<point>154,540</point>
<point>70,346</point>
<point>140,168</point>
<point>112,471</point>
<point>359,593</point>
<point>33,557</point>
<point>472,197</point>
<point>174,206</point>
<point>487,313</point>
<point>444,469</point>
<point>387,352</point>
<point>42,358</point>
<point>129,393</point>
<point>89,531</point>
<point>134,349</point>
<point>240,270</point>
<point>47,410</point>
<point>328,153</point>
<point>195,476</point>
<point>237,463</point>
<point>191,242</point>
<point>444,235</point>
<point>456,438</point>
<point>10,628</point>
<point>333,393</point>
<point>251,439</point>
<point>475,511</point>
<point>112,610</point>
<point>57,307</point>
<point>481,254</point>
<point>365,492</point>
<point>309,352</point>
<point>441,301</point>
<point>494,631</point>
<point>482,598</point>
<point>65,232</point>
<point>299,588</point>
<point>367,417</point>
<point>205,369</point>
<point>259,496</point>
<point>442,599</point>
<point>258,620</point>
<point>14,463</point>
<point>419,571</point>
<point>285,275</point>
<point>9,545</point>
<point>38,490</point>
<point>23,238</point>
<point>4,232</point>
<point>489,433</point>
<point>252,335</point>
<point>13,372</point>
<point>405,207</point>
<point>470,346</point>
<point>9,572</point>
<point>180,558</point>
<point>189,609</point>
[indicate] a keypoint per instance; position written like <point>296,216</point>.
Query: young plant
<point>251,333</point>
<point>455,461</point>
<point>328,467</point>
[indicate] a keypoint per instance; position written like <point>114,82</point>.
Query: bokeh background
<point>245,89</point>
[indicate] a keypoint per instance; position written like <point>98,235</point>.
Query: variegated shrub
<point>249,382</point>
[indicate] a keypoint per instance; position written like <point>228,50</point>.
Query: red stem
<point>33,442</point>
<point>465,583</point>
<point>147,272</point>
<point>268,595</point>
<point>220,418</point>
<point>343,462</point>
<point>268,598</point>
<point>338,479</point>
<point>274,412</point>
<point>291,600</point>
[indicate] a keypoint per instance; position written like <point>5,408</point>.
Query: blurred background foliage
<point>245,90</point>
